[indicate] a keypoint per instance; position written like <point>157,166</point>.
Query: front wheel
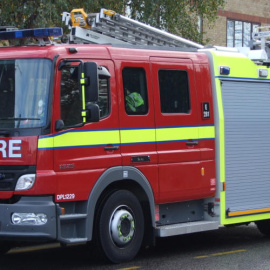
<point>5,247</point>
<point>120,226</point>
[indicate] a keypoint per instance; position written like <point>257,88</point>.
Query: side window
<point>135,91</point>
<point>104,97</point>
<point>174,91</point>
<point>71,105</point>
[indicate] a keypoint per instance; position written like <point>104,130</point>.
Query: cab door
<point>82,152</point>
<point>137,121</point>
<point>177,131</point>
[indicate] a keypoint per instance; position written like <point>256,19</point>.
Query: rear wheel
<point>120,226</point>
<point>264,227</point>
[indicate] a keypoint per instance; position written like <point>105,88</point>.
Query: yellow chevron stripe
<point>87,138</point>
<point>46,142</point>
<point>138,136</point>
<point>206,132</point>
<point>177,134</point>
<point>128,136</point>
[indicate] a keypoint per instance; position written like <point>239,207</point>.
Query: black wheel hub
<point>125,227</point>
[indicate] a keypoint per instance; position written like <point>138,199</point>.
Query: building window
<point>239,33</point>
<point>174,91</point>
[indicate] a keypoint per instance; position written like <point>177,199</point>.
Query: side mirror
<point>91,85</point>
<point>92,113</point>
<point>59,125</point>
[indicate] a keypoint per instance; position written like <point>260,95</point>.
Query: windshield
<point>24,88</point>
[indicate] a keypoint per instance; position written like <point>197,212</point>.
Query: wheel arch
<point>124,177</point>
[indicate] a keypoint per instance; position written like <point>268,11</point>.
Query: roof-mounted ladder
<point>110,27</point>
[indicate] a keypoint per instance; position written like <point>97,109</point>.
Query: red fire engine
<point>120,144</point>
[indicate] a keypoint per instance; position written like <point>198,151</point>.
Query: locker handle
<point>111,148</point>
<point>192,143</point>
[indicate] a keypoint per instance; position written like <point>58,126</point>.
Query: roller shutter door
<point>246,108</point>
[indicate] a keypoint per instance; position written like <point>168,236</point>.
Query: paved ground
<point>226,249</point>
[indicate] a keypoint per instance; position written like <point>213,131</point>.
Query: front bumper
<point>12,232</point>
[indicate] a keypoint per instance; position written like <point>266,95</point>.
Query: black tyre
<point>5,247</point>
<point>264,227</point>
<point>120,226</point>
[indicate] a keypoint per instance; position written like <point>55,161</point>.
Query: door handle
<point>192,143</point>
<point>111,148</point>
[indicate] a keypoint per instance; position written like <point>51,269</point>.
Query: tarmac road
<point>231,248</point>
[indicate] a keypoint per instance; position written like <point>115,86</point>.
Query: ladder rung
<point>121,28</point>
<point>144,36</point>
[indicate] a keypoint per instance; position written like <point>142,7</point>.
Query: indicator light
<point>224,70</point>
<point>202,171</point>
<point>25,182</point>
<point>263,72</point>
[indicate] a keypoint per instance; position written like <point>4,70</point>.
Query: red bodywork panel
<point>18,150</point>
<point>174,170</point>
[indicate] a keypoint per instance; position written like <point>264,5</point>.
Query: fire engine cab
<point>121,143</point>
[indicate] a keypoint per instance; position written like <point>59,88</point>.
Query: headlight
<point>25,182</point>
<point>29,219</point>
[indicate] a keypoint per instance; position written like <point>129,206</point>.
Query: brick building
<point>236,21</point>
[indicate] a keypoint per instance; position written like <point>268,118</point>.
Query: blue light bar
<point>32,33</point>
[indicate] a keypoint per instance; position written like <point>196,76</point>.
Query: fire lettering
<point>13,150</point>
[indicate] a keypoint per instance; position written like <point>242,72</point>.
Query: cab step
<point>186,228</point>
<point>74,240</point>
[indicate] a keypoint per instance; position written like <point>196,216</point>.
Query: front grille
<point>9,175</point>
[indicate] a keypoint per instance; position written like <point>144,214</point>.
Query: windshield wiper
<point>20,118</point>
<point>4,133</point>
